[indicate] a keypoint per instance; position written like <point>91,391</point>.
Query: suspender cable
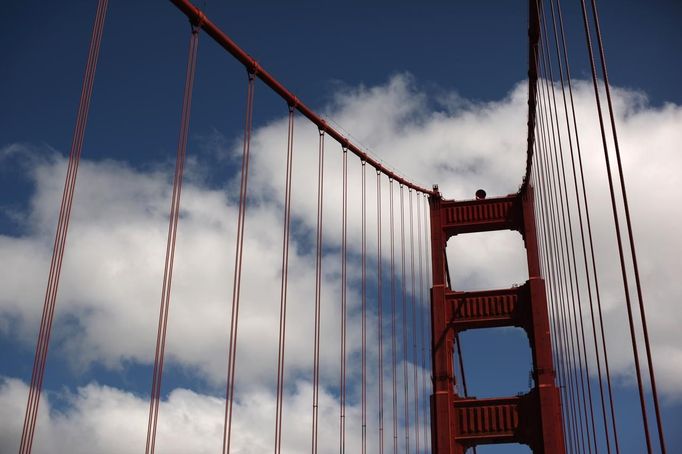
<point>170,246</point>
<point>364,309</point>
<point>393,341</point>
<point>545,264</point>
<point>427,331</point>
<point>404,317</point>
<point>554,315</point>
<point>621,252</point>
<point>565,287</point>
<point>542,239</point>
<point>43,341</point>
<point>580,217</point>
<point>569,243</point>
<point>415,360</point>
<point>628,223</point>
<point>560,274</point>
<point>342,378</point>
<point>239,249</point>
<point>380,322</point>
<point>318,294</point>
<point>554,266</point>
<point>564,366</point>
<point>581,427</point>
<point>422,300</point>
<point>589,232</point>
<point>560,278</point>
<point>284,285</point>
<point>551,294</point>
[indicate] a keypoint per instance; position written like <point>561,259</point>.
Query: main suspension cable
<point>268,79</point>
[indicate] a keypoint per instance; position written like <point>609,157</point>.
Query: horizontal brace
<point>484,215</point>
<point>497,420</point>
<point>488,308</point>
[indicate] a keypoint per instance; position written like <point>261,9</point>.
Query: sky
<point>435,90</point>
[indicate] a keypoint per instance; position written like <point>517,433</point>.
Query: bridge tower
<point>460,422</point>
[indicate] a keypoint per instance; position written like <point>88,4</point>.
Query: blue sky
<point>420,66</point>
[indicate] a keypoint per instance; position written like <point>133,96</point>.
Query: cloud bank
<point>109,292</point>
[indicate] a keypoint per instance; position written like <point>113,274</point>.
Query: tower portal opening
<point>487,260</point>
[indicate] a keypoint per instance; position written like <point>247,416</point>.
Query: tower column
<point>460,422</point>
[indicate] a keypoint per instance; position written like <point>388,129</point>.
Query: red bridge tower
<point>458,422</point>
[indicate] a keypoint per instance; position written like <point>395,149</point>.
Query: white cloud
<point>108,301</point>
<point>101,419</point>
<point>648,136</point>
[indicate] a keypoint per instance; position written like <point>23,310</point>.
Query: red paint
<point>195,15</point>
<point>459,423</point>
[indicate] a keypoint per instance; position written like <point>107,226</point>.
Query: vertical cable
<point>559,275</point>
<point>628,223</point>
<point>569,242</point>
<point>284,284</point>
<point>591,243</point>
<point>43,341</point>
<point>542,246</point>
<point>559,283</point>
<point>170,246</point>
<point>543,237</point>
<point>380,322</point>
<point>580,217</point>
<point>550,226</point>
<point>342,378</point>
<point>429,278</point>
<point>562,266</point>
<point>239,249</point>
<point>546,267</point>
<point>393,341</point>
<point>406,382</point>
<point>318,294</point>
<point>414,328</point>
<point>364,309</point>
<point>614,209</point>
<point>422,301</point>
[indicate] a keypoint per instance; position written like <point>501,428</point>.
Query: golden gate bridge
<point>563,411</point>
